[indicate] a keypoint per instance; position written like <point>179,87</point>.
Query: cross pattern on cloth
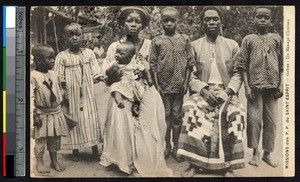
<point>199,120</point>
<point>237,124</point>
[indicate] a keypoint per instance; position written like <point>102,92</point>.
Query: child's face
<point>123,54</point>
<point>46,59</point>
<point>262,19</point>
<point>74,37</point>
<point>169,20</point>
<point>211,22</point>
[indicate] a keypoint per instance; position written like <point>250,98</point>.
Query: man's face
<point>262,19</point>
<point>211,22</point>
<point>169,20</point>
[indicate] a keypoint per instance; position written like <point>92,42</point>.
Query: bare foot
<point>255,161</point>
<point>76,157</point>
<point>174,154</point>
<point>230,174</point>
<point>57,167</point>
<point>189,172</point>
<point>111,167</point>
<point>41,168</point>
<point>167,151</point>
<point>267,159</point>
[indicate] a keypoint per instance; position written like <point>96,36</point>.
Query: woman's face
<point>133,24</point>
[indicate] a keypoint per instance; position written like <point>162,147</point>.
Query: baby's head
<point>124,53</point>
<point>262,19</point>
<point>73,35</point>
<point>43,56</point>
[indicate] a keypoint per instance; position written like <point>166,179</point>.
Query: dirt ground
<point>89,167</point>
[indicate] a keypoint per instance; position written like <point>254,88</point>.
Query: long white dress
<point>78,71</point>
<point>135,143</point>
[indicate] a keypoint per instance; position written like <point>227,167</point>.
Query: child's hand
<point>249,93</point>
<point>115,77</point>
<point>160,91</point>
<point>121,105</point>
<point>279,92</point>
<point>36,122</point>
<point>65,94</point>
<point>150,82</point>
<point>184,89</point>
<point>64,85</point>
<point>99,78</point>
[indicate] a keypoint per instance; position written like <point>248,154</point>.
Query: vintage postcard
<point>152,91</point>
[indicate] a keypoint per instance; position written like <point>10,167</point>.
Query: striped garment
<point>78,71</point>
<point>199,141</point>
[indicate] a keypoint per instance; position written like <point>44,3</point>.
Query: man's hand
<point>222,96</point>
<point>249,93</point>
<point>279,92</point>
<point>209,97</point>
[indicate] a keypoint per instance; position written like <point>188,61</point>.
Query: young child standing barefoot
<point>171,60</point>
<point>78,70</point>
<point>49,121</point>
<point>261,63</point>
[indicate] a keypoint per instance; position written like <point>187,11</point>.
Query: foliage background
<point>101,28</point>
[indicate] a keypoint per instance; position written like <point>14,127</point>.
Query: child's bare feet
<point>255,161</point>
<point>54,164</point>
<point>57,167</point>
<point>267,159</point>
<point>41,168</point>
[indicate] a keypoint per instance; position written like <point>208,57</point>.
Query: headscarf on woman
<point>135,142</point>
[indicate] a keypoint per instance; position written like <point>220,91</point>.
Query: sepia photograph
<point>162,91</point>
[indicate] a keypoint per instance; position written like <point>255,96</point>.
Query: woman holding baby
<point>132,142</point>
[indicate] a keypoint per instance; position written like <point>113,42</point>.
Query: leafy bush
<point>101,28</point>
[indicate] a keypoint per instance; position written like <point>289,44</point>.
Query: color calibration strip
<point>14,91</point>
<point>8,87</point>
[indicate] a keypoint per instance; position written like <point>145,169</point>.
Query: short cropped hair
<point>72,26</point>
<point>261,7</point>
<point>170,9</point>
<point>220,12</point>
<point>38,49</point>
<point>131,45</point>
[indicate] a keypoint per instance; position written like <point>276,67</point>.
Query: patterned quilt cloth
<point>212,138</point>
